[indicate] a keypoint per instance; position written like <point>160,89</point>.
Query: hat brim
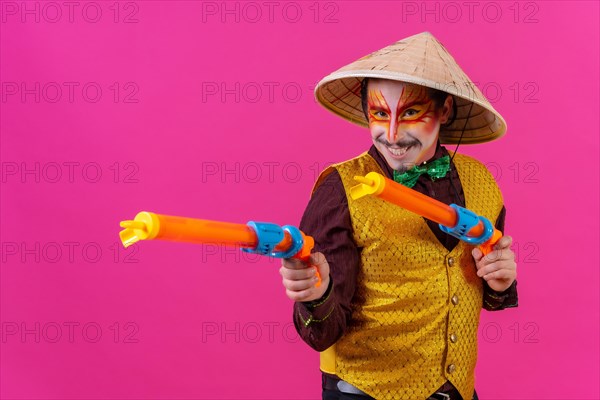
<point>476,121</point>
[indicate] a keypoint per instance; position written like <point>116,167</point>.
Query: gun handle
<point>304,255</point>
<point>319,280</point>
<point>318,275</point>
<point>488,246</point>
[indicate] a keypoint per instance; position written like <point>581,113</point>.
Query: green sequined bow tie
<point>436,169</point>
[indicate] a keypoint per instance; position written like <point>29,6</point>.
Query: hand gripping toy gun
<point>255,237</point>
<point>453,219</point>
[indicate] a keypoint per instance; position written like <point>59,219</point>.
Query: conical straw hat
<point>420,59</point>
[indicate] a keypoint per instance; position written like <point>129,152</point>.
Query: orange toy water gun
<point>453,219</point>
<point>255,237</point>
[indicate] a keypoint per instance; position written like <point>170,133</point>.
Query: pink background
<point>171,320</point>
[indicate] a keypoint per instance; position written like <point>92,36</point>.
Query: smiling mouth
<point>398,151</point>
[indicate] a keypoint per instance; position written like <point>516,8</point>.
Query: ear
<point>446,110</point>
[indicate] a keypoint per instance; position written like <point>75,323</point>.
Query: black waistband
<point>446,392</point>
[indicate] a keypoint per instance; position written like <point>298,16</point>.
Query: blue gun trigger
<point>268,236</point>
<point>466,220</point>
<point>297,243</point>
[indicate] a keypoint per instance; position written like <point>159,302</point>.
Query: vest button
<point>453,338</point>
<point>451,368</point>
<point>450,261</point>
<point>454,299</point>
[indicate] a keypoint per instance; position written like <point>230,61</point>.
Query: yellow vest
<point>415,312</point>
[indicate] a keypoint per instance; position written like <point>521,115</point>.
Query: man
<point>397,312</point>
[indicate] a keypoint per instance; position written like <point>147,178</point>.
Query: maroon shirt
<point>322,322</point>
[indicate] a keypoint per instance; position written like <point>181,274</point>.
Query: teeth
<point>398,152</point>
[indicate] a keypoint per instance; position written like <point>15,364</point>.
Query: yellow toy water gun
<point>453,219</point>
<point>254,237</point>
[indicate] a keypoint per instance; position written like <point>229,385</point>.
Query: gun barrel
<point>377,185</point>
<point>148,226</point>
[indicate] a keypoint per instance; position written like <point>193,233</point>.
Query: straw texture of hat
<point>420,59</point>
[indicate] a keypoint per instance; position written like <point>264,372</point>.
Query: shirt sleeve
<point>493,300</point>
<point>322,322</point>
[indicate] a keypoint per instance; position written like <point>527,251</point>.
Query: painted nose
<point>392,135</point>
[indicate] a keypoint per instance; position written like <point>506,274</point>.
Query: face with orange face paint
<point>404,122</point>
